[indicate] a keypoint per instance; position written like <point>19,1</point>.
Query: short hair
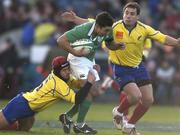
<point>133,5</point>
<point>104,19</point>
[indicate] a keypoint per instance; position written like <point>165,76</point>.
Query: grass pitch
<point>159,120</point>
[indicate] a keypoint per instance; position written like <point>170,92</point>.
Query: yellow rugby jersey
<point>147,44</point>
<point>134,42</point>
<point>51,90</point>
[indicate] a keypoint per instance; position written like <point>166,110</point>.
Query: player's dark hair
<point>133,5</point>
<point>104,19</point>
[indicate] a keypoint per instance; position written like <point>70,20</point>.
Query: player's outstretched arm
<point>172,41</point>
<point>83,92</point>
<point>72,17</point>
<point>64,44</point>
<point>114,46</point>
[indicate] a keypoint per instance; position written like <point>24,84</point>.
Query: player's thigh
<point>3,121</point>
<point>25,124</point>
<point>147,94</point>
<point>16,109</point>
<point>80,68</point>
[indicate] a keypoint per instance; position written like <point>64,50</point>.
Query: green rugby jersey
<point>85,31</point>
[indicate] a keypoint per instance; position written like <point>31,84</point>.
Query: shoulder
<point>85,25</point>
<point>120,22</point>
<point>142,25</point>
<point>82,29</point>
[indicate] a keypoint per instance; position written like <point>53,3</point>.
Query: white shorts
<point>80,67</point>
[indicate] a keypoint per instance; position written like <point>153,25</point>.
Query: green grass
<point>159,120</point>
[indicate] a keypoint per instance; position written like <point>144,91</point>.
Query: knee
<point>135,98</point>
<point>148,101</point>
<point>26,126</point>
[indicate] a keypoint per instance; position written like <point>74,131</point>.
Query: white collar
<point>91,30</point>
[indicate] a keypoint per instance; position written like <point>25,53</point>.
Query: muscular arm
<point>72,17</point>
<point>172,41</point>
<point>64,44</point>
<point>114,46</point>
<point>82,93</point>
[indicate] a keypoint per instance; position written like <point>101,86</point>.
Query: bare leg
<point>3,122</point>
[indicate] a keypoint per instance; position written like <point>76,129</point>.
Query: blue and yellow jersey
<point>134,43</point>
<point>147,43</point>
<point>51,90</point>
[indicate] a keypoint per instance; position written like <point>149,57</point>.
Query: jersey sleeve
<point>156,35</point>
<point>76,33</point>
<point>147,43</point>
<point>73,83</point>
<point>66,93</point>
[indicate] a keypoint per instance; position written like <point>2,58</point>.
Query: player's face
<point>130,16</point>
<point>65,72</point>
<point>103,31</point>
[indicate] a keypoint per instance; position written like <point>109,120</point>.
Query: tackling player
<point>58,85</point>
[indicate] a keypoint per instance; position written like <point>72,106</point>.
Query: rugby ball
<point>83,43</point>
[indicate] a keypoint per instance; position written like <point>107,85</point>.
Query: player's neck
<point>130,27</point>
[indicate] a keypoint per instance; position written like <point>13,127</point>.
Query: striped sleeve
<point>155,35</point>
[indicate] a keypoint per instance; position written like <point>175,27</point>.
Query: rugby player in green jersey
<point>97,32</point>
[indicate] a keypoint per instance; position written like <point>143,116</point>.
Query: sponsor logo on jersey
<point>119,34</point>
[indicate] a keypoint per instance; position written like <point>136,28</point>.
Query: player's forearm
<point>112,45</point>
<point>172,41</point>
<point>64,44</point>
<point>82,93</point>
<point>78,20</point>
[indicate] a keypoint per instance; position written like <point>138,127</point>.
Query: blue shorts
<point>16,109</point>
<point>124,75</point>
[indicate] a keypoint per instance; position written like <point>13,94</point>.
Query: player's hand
<point>68,16</point>
<point>97,67</point>
<point>81,53</point>
<point>91,77</point>
<point>121,46</point>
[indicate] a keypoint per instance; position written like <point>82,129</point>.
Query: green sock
<point>83,109</point>
<point>74,109</point>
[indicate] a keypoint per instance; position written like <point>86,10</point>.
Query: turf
<point>160,120</point>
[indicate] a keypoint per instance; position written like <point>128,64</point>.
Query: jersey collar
<point>131,28</point>
<point>91,30</point>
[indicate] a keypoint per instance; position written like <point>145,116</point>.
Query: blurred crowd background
<point>29,29</point>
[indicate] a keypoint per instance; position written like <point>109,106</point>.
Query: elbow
<point>59,41</point>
